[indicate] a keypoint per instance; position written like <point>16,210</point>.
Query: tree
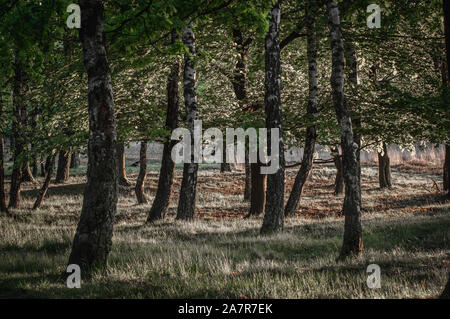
<point>273,218</point>
<point>313,98</point>
<point>161,201</point>
<point>446,5</point>
<point>3,207</point>
<point>186,203</point>
<point>352,244</point>
<point>44,188</point>
<point>121,168</point>
<point>93,237</point>
<point>62,174</point>
<point>19,87</point>
<point>140,182</point>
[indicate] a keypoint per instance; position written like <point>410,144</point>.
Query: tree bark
<point>447,168</point>
<point>339,181</point>
<point>247,187</point>
<point>140,182</point>
<point>3,207</point>
<point>308,154</point>
<point>161,201</point>
<point>44,188</point>
<point>93,237</point>
<point>186,203</point>
<point>352,66</point>
<point>63,172</point>
<point>384,168</point>
<point>273,218</point>
<point>121,168</point>
<point>352,244</point>
<point>446,7</point>
<point>19,88</point>
<point>258,190</point>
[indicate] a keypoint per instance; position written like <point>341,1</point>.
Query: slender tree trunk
<point>384,168</point>
<point>352,244</point>
<point>3,207</point>
<point>19,88</point>
<point>161,202</point>
<point>273,218</point>
<point>43,170</point>
<point>140,183</point>
<point>308,154</point>
<point>62,174</point>
<point>446,7</point>
<point>258,190</point>
<point>240,84</point>
<point>75,160</point>
<point>123,180</point>
<point>247,189</point>
<point>447,168</point>
<point>339,181</point>
<point>186,203</point>
<point>352,65</point>
<point>44,188</point>
<point>93,237</point>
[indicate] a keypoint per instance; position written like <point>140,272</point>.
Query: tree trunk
<point>273,218</point>
<point>446,7</point>
<point>247,189</point>
<point>140,182</point>
<point>19,88</point>
<point>35,168</point>
<point>352,244</point>
<point>93,237</point>
<point>339,181</point>
<point>447,168</point>
<point>258,190</point>
<point>75,160</point>
<point>351,62</point>
<point>3,207</point>
<point>123,180</point>
<point>62,174</point>
<point>384,168</point>
<point>44,188</point>
<point>186,203</point>
<point>308,154</point>
<point>161,202</point>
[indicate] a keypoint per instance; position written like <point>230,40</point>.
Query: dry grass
<point>406,232</point>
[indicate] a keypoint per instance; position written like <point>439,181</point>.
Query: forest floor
<point>406,231</point>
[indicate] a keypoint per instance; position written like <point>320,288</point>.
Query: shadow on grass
<point>57,190</point>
